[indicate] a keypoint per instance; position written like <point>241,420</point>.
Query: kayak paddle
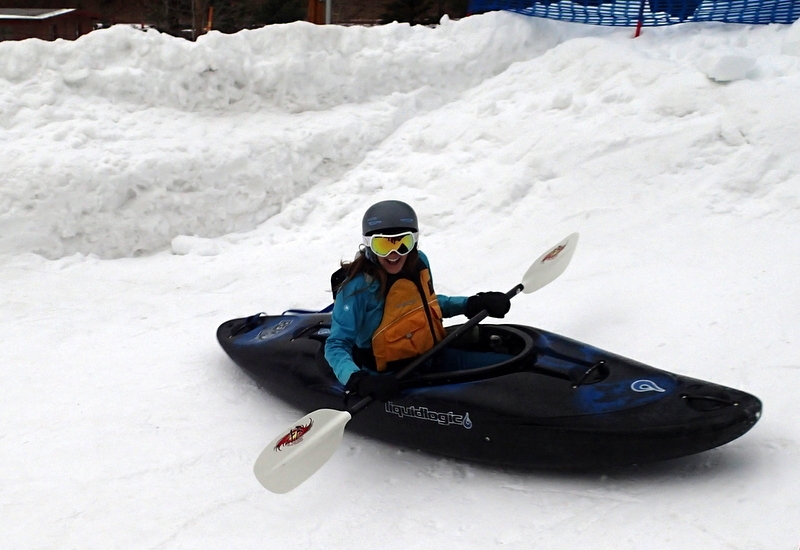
<point>310,442</point>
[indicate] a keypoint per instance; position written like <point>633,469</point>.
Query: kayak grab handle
<point>308,328</point>
<point>250,323</point>
<point>711,399</point>
<point>600,368</point>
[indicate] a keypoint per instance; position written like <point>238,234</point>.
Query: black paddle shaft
<point>411,367</point>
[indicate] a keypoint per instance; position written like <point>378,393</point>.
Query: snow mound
<point>214,137</point>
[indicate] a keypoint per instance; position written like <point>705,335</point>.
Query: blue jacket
<point>357,315</point>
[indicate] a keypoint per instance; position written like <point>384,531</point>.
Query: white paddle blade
<point>549,265</point>
<point>302,449</point>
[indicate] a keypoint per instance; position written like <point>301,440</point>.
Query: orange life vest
<point>412,319</point>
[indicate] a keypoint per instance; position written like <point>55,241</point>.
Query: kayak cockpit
<point>489,351</point>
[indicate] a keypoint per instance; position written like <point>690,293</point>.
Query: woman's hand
<point>380,386</point>
<point>496,303</point>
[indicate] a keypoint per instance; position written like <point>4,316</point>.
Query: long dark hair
<point>363,265</point>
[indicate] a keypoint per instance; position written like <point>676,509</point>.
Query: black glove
<point>380,386</point>
<point>496,303</point>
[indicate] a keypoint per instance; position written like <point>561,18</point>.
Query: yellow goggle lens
<point>383,245</point>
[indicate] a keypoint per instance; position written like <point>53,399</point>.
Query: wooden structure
<point>45,24</point>
<point>376,12</point>
<point>316,12</point>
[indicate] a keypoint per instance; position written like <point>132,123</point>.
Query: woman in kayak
<point>385,311</point>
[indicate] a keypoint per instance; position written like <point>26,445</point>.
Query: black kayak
<point>527,398</point>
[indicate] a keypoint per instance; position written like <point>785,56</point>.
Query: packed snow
<point>153,188</point>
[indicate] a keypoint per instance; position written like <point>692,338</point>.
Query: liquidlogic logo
<point>424,413</point>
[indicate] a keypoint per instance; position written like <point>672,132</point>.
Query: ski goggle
<point>383,245</point>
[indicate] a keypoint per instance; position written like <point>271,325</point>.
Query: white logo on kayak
<point>272,331</point>
<point>642,386</point>
<point>424,413</point>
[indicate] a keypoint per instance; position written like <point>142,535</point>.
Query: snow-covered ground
<point>153,188</point>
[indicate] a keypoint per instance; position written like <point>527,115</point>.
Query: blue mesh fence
<point>649,13</point>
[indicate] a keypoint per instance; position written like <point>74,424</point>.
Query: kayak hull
<point>543,401</point>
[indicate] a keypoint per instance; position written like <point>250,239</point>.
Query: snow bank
<point>117,142</point>
<point>290,68</point>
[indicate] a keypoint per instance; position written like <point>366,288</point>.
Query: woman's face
<point>393,263</point>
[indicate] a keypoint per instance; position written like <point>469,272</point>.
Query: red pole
<point>640,21</point>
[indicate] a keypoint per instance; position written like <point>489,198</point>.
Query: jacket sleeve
<point>452,305</point>
<point>344,329</point>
